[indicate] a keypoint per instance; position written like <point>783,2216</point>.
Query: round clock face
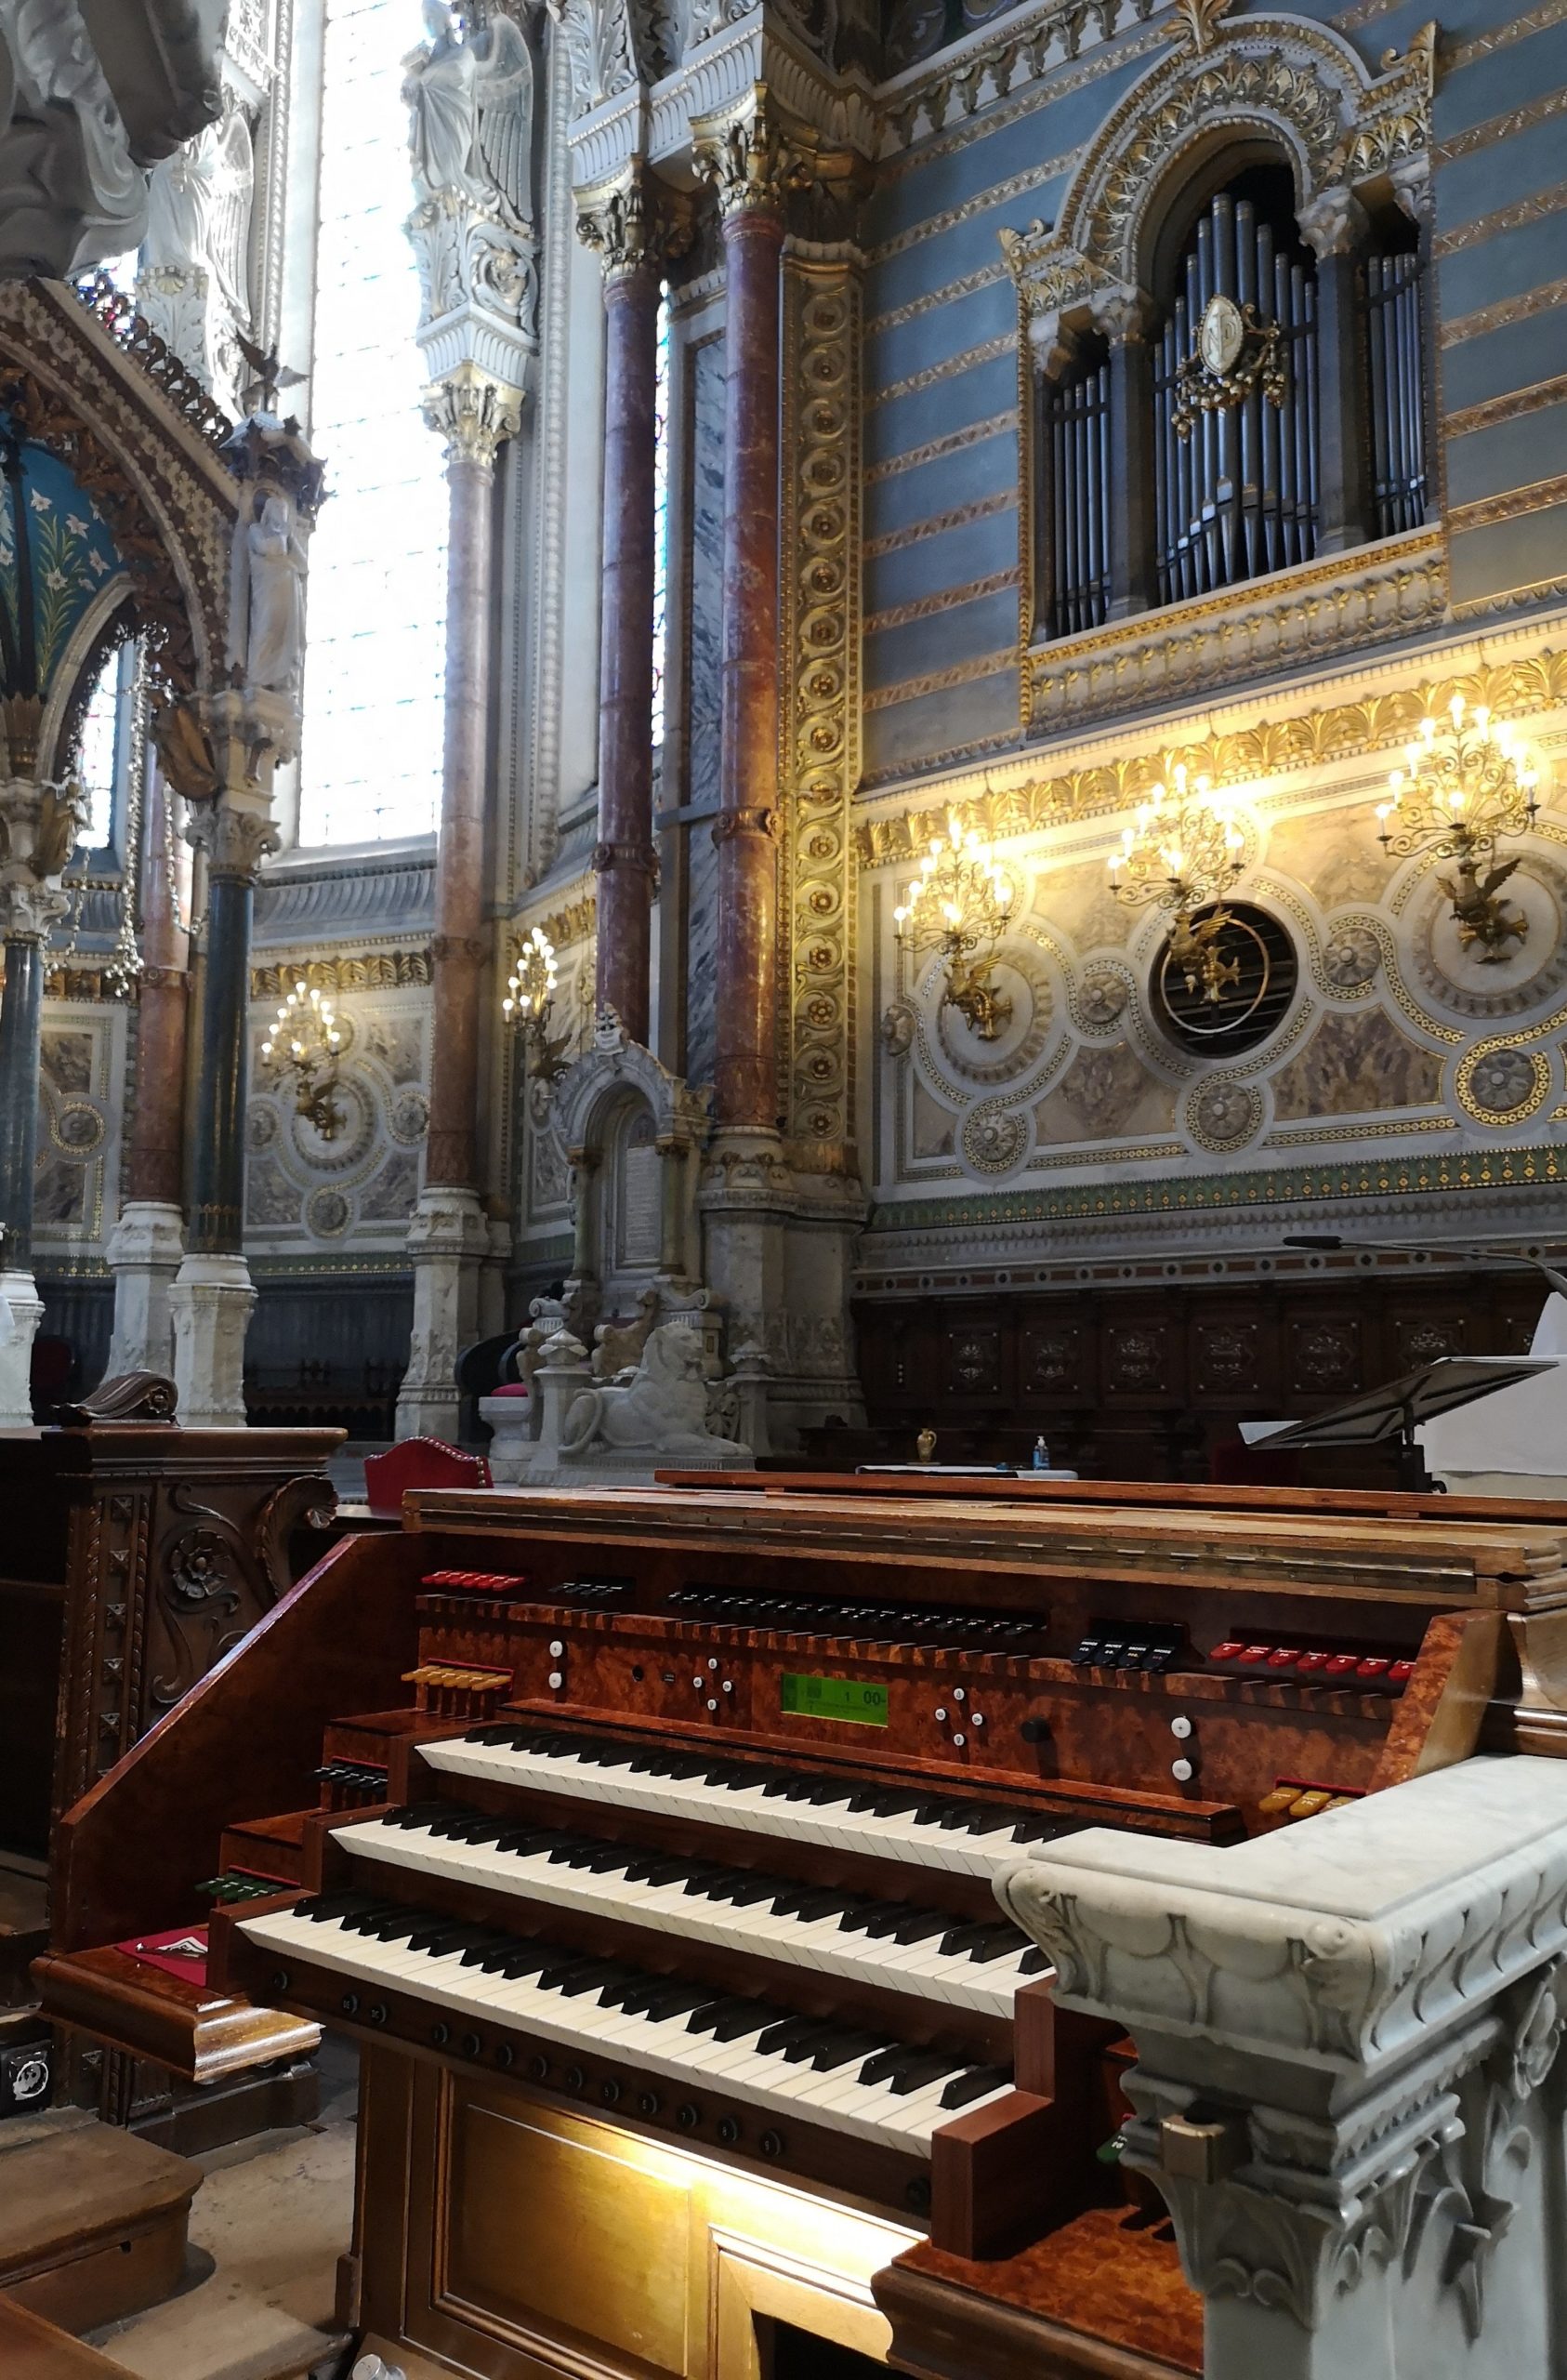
<point>1222,335</point>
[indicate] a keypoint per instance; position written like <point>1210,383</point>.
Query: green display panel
<point>834,1697</point>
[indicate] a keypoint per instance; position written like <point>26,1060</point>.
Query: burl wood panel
<point>1111,2277</point>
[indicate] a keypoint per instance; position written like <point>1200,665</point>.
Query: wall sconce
<point>529,1002</point>
<point>1184,854</point>
<point>960,903</point>
<point>305,1042</point>
<point>1455,796</point>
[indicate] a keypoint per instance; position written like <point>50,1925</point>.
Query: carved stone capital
<point>753,162</point>
<point>39,821</point>
<point>1334,223</point>
<point>1342,2031</point>
<point>459,949</point>
<point>1126,316</point>
<point>730,823</point>
<point>636,223</point>
<point>235,836</point>
<point>474,413</point>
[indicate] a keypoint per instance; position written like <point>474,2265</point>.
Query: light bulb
<point>1481,716</point>
<point>1455,709</point>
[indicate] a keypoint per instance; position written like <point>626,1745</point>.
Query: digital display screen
<point>834,1697</point>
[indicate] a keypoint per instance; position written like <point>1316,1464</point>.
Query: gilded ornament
<point>1496,1083</point>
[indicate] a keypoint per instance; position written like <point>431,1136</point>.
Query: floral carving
<point>993,1138</point>
<point>1351,958</point>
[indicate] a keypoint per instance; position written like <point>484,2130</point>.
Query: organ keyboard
<point>667,1831</point>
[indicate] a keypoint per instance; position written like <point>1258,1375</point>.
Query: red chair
<point>419,1462</point>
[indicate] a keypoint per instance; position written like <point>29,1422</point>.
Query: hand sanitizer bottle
<point>1041,1455</point>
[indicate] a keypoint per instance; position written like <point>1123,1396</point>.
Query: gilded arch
<point>1298,85</point>
<point>92,384</point>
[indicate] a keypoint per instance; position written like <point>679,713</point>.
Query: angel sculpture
<point>1479,913</point>
<point>470,102</point>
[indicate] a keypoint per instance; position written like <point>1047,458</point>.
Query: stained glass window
<point>97,755</point>
<point>371,747</point>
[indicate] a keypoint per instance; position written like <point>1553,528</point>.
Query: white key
<point>819,1944</point>
<point>834,1825</point>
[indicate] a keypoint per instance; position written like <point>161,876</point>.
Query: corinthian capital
<point>236,835</point>
<point>474,413</point>
<point>751,162</point>
<point>39,823</point>
<point>633,223</point>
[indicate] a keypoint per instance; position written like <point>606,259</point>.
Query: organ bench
<point>646,1841</point>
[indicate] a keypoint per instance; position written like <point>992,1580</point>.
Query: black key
<point>792,2029</point>
<point>962,1937</point>
<point>998,1943</point>
<point>954,1819</point>
<point>918,2067</point>
<point>1034,1962</point>
<point>520,1959</point>
<point>343,1904</point>
<point>931,1813</point>
<point>889,1916</point>
<point>739,2021</point>
<point>985,1817</point>
<point>669,1872</point>
<point>920,1925</point>
<point>879,2065</point>
<point>1034,1831</point>
<point>677,1999</point>
<point>841,2049</point>
<point>856,1915</point>
<point>974,2085</point>
<point>752,1889</point>
<point>417,1813</point>
<point>703,1879</point>
<point>568,1965</point>
<point>805,2044</point>
<point>399,1927</point>
<point>591,1978</point>
<point>491,1944</point>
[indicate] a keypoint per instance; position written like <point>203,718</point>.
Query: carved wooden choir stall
<point>136,1553</point>
<point>646,1844</point>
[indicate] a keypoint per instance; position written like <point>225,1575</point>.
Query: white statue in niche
<point>659,1410</point>
<point>470,103</point>
<point>193,285</point>
<point>274,640</point>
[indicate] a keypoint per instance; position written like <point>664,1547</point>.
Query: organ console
<point>645,1840</point>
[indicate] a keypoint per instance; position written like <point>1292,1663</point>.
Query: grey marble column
<point>21,1018</point>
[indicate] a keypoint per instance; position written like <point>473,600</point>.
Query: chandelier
<point>304,1045</point>
<point>529,1002</point>
<point>1458,792</point>
<point>1185,852</point>
<point>960,903</point>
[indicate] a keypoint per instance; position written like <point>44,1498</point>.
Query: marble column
<point>147,1243</point>
<point>1334,225</point>
<point>750,167</point>
<point>212,1298</point>
<point>39,821</point>
<point>623,224</point>
<point>448,1237</point>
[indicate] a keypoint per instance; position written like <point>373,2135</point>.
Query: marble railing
<point>1348,2084</point>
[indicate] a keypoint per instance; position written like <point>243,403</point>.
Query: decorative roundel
<point>1018,975</point>
<point>1502,1086</point>
<point>78,1130</point>
<point>1101,996</point>
<point>410,1116</point>
<point>260,1125</point>
<point>1350,957</point>
<point>328,1213</point>
<point>1222,1113</point>
<point>1530,970</point>
<point>994,1138</point>
<point>353,1134</point>
<point>1230,987</point>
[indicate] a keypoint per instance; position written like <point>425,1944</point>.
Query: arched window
<point>1261,402</point>
<point>1235,395</point>
<point>370,759</point>
<point>98,748</point>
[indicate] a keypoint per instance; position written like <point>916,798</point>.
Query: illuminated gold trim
<point>965,285</point>
<point>936,523</point>
<point>1499,127</point>
<point>952,442</point>
<point>1481,227</point>
<point>946,598</point>
<point>1511,505</point>
<point>370,970</point>
<point>969,359</point>
<point>1506,312</point>
<point>1517,402</point>
<point>980,202</point>
<point>935,682</point>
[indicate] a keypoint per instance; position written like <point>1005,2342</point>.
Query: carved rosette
<point>822,692</point>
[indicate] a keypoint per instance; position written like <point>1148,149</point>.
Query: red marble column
<point>746,829</point>
<point>624,858</point>
<point>458,947</point>
<point>155,1156</point>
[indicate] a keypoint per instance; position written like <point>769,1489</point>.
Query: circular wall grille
<point>1259,970</point>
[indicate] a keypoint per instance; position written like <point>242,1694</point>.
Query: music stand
<point>1397,1409</point>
